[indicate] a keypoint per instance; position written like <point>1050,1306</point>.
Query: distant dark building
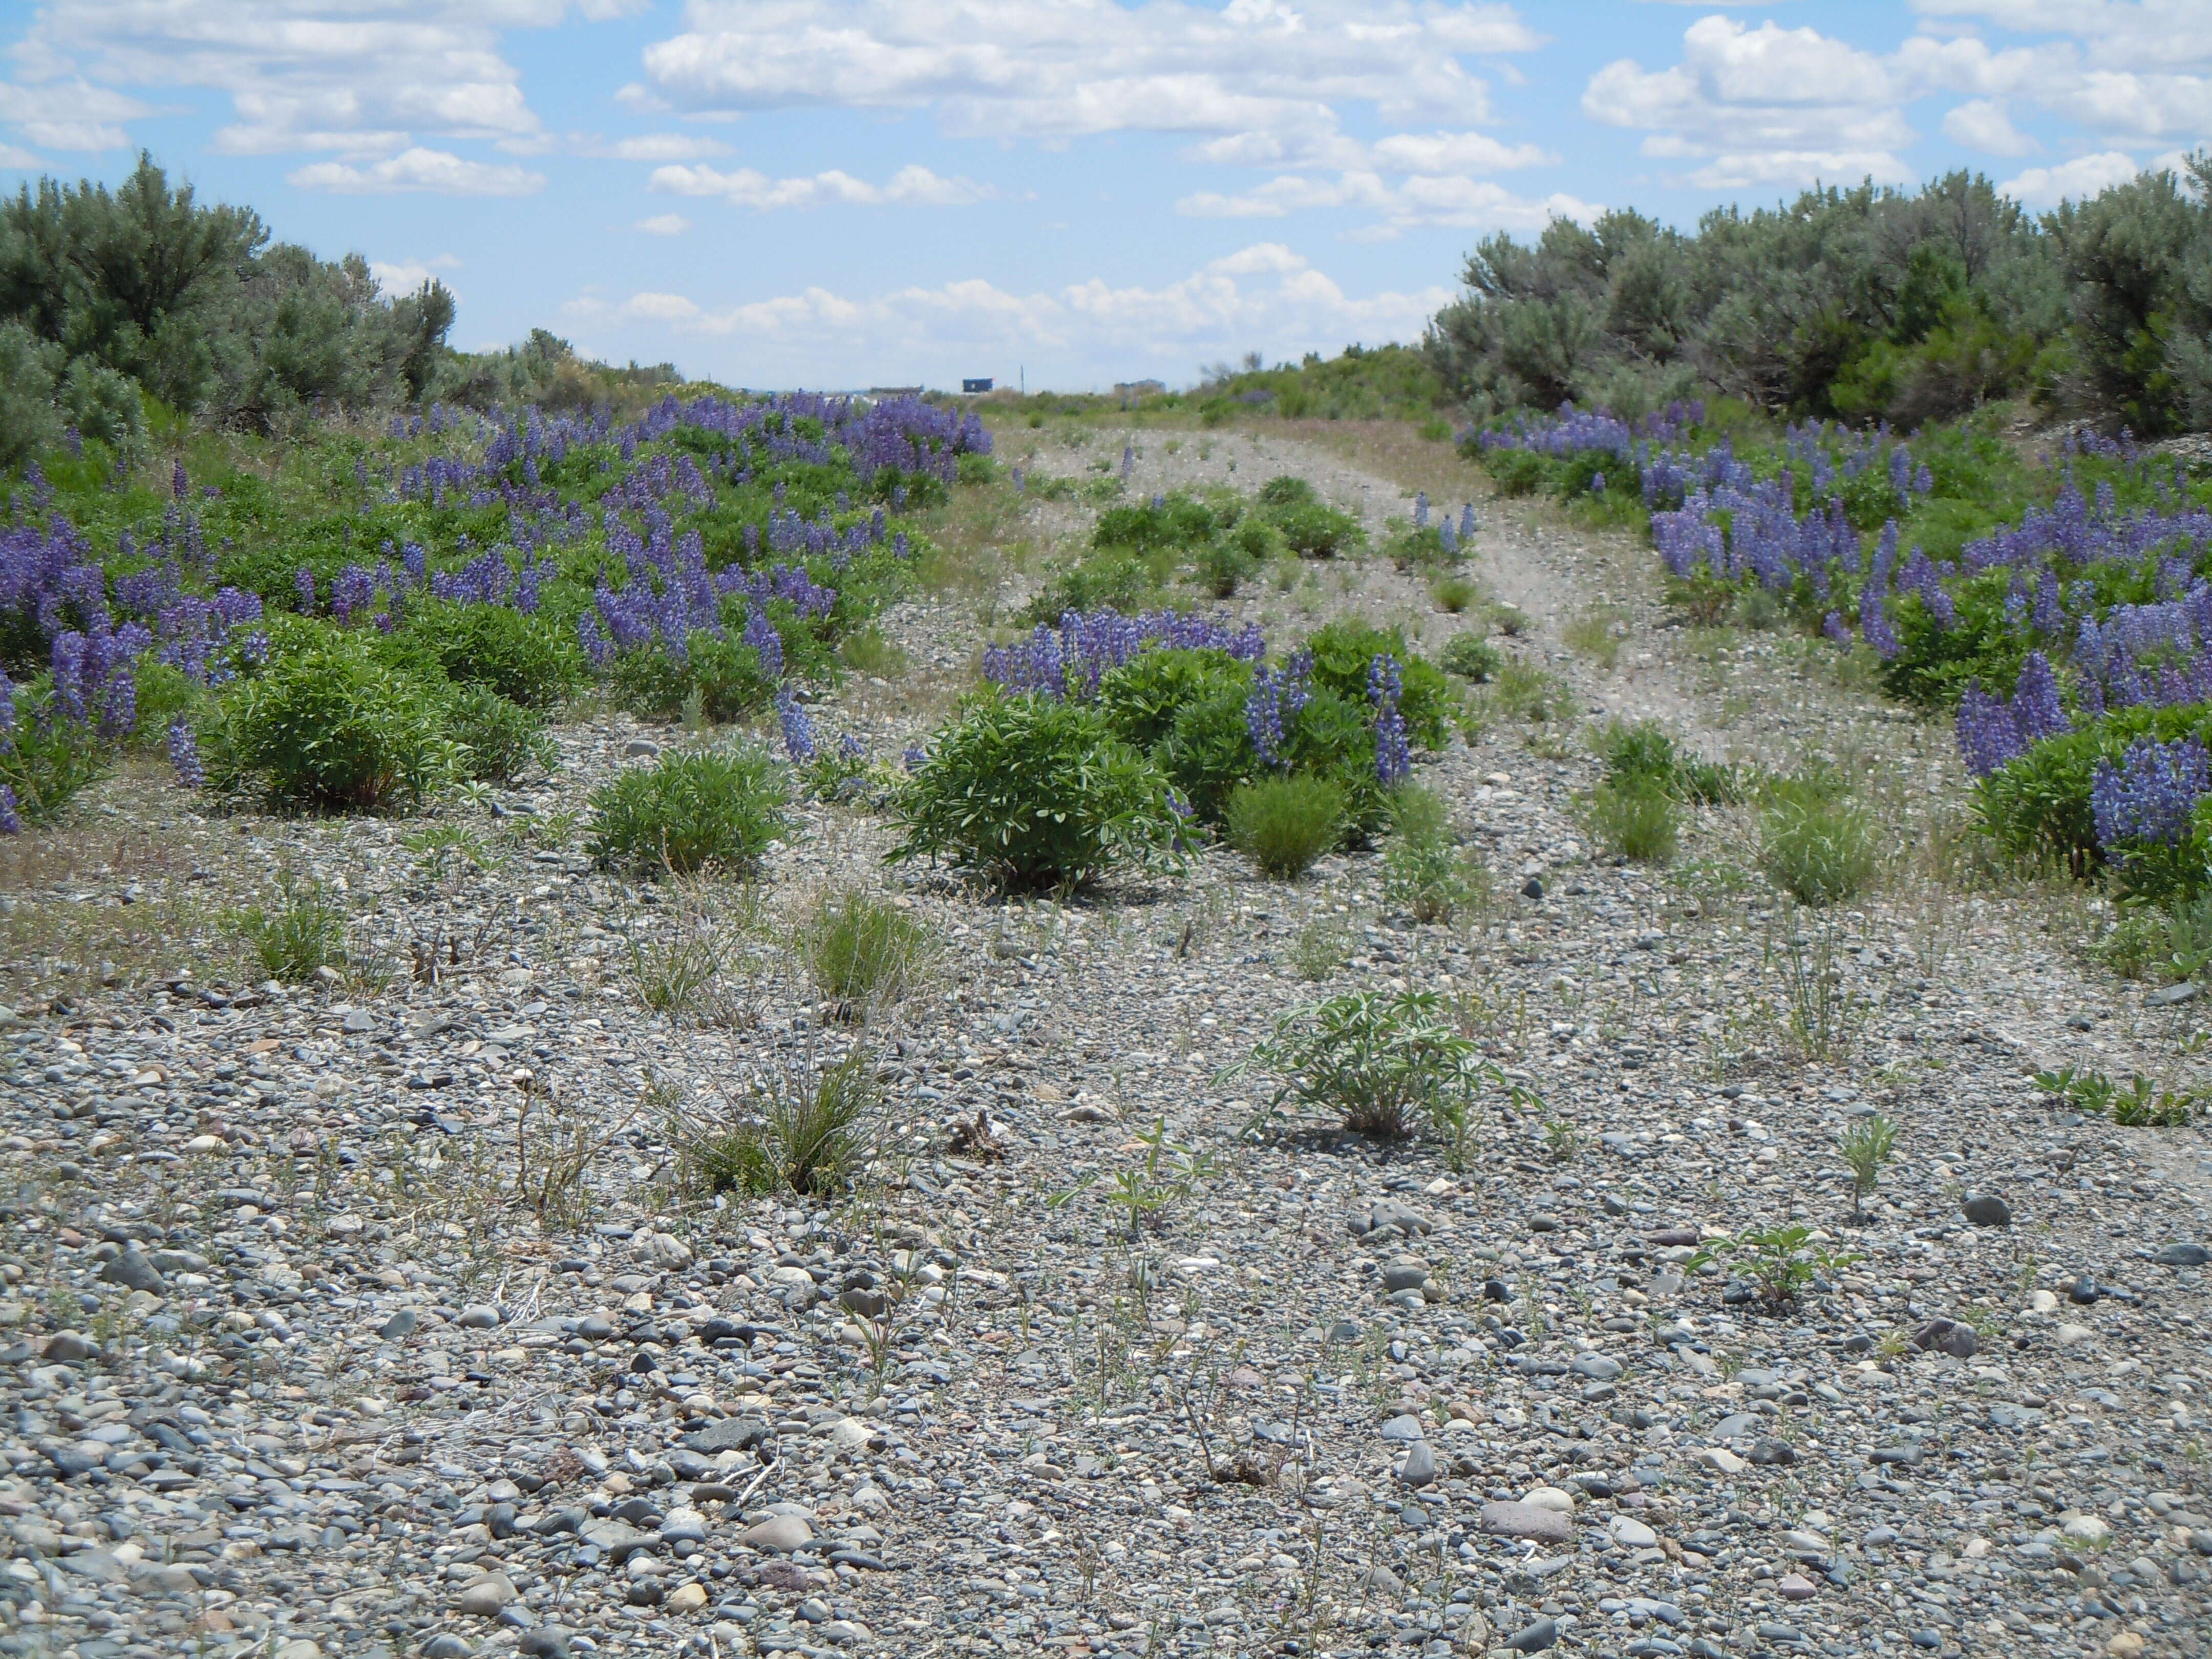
<point>981,385</point>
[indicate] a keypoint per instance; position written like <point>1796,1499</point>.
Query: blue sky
<point>848,192</point>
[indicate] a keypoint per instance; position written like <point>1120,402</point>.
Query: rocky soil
<point>291,1367</point>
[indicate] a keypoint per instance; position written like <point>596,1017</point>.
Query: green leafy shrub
<point>717,677</point>
<point>1142,699</point>
<point>1635,817</point>
<point>1313,530</point>
<point>862,949</point>
<point>502,739</point>
<point>714,808</point>
<point>1344,651</point>
<point>1224,564</point>
<point>1034,793</point>
<point>526,658</point>
<point>327,727</point>
<point>304,933</point>
<point>1815,844</point>
<point>1174,525</point>
<point>1115,579</point>
<point>44,760</point>
<point>1286,822</point>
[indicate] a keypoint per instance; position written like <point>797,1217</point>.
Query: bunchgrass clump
<point>1425,871</point>
<point>302,934</point>
<point>1520,690</point>
<point>1635,819</point>
<point>861,949</point>
<point>806,1128</point>
<point>706,808</point>
<point>1815,843</point>
<point>1471,656</point>
<point>1319,948</point>
<point>871,652</point>
<point>677,975</point>
<point>1454,595</point>
<point>1286,822</point>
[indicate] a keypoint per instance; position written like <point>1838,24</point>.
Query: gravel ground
<point>288,1371</point>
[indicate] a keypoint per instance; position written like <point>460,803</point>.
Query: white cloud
<point>664,224</point>
<point>405,276</point>
<point>1265,295</point>
<point>2127,69</point>
<point>356,77</point>
<point>1982,124</point>
<point>1771,106</point>
<point>910,186</point>
<point>1418,199</point>
<point>436,171</point>
<point>12,159</point>
<point>2085,175</point>
<point>667,147</point>
<point>70,115</point>
<point>1054,69</point>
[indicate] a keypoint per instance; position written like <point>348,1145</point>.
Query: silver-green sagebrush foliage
<point>1383,1062</point>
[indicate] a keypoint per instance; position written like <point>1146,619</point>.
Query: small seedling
<point>1782,1262</point>
<point>1866,1148</point>
<point>1167,1174</point>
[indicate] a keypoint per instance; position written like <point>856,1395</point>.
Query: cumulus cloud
<point>358,78</point>
<point>70,114</point>
<point>2127,69</point>
<point>1776,106</point>
<point>910,186</point>
<point>664,224</point>
<point>2085,175</point>
<point>1264,293</point>
<point>436,171</point>
<point>1418,199</point>
<point>13,159</point>
<point>1052,69</point>
<point>405,276</point>
<point>1982,124</point>
<point>667,147</point>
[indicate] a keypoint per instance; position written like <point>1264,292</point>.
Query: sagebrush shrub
<point>1286,822</point>
<point>1382,1062</point>
<point>715,808</point>
<point>327,727</point>
<point>1034,793</point>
